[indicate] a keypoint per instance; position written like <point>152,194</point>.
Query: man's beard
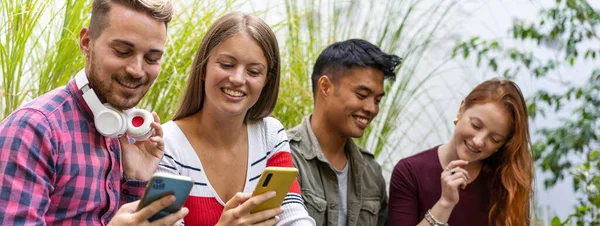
<point>102,88</point>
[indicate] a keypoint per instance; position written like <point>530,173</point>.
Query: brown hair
<point>161,10</point>
<point>222,29</point>
<point>512,165</point>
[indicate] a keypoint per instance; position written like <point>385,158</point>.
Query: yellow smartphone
<point>278,179</point>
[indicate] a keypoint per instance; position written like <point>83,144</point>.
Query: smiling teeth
<point>233,92</point>
<point>128,84</point>
<point>362,120</point>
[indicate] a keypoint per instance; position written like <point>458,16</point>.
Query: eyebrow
<point>130,44</point>
<point>479,120</point>
<point>365,88</point>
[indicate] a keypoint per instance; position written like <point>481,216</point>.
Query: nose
<point>478,140</point>
<point>238,77</point>
<point>135,67</point>
<point>371,107</point>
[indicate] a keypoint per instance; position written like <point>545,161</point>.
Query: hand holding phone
<point>237,211</point>
<point>163,184</point>
<point>128,214</point>
<point>278,179</point>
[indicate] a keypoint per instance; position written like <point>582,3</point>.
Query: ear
<point>461,109</point>
<point>324,86</point>
<point>85,41</point>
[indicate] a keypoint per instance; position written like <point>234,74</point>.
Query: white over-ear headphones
<point>111,122</point>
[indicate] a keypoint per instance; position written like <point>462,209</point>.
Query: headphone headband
<point>88,93</point>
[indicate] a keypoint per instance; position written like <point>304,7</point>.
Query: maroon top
<point>415,187</point>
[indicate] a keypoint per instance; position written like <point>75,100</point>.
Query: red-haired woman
<point>486,169</point>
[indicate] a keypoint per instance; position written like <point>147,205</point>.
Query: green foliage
<point>566,29</point>
<point>17,36</point>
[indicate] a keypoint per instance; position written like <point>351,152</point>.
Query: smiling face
<point>236,72</point>
<point>123,62</point>
<point>354,100</point>
<point>480,131</point>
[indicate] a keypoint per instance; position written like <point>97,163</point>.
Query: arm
<point>294,212</point>
<point>404,203</point>
<point>27,165</point>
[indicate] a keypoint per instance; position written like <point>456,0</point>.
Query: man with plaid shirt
<point>55,167</point>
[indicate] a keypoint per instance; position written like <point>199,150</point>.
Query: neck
<point>219,130</point>
<point>332,144</point>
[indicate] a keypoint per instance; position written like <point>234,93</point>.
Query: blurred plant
<point>587,179</point>
<point>395,26</point>
<point>568,30</point>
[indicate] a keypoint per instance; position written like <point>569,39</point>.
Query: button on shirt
<point>56,168</point>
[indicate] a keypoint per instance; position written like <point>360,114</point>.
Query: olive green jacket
<point>366,192</point>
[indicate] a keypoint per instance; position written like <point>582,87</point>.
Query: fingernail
<point>272,194</point>
<point>185,211</point>
<point>277,218</point>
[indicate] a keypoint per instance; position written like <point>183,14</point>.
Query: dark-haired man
<point>341,182</point>
<point>57,166</point>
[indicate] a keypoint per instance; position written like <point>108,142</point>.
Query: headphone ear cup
<point>110,122</point>
<point>139,124</point>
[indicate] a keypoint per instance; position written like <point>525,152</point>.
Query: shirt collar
<point>309,145</point>
<point>78,98</point>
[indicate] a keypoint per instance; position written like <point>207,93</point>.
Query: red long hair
<point>511,166</point>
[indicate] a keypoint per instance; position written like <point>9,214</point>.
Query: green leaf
<point>556,221</point>
<point>594,154</point>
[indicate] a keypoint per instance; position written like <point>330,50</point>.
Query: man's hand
<point>127,214</point>
<point>140,159</point>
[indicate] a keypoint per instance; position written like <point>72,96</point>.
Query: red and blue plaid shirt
<point>56,169</point>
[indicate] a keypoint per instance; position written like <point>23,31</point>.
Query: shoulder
<point>42,112</point>
<point>28,129</point>
<point>26,121</point>
<point>294,133</point>
<point>172,132</point>
<point>424,160</point>
<point>174,139</point>
<point>269,129</point>
<point>170,129</point>
<point>271,125</point>
<point>56,101</point>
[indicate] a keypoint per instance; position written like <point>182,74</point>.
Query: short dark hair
<point>339,57</point>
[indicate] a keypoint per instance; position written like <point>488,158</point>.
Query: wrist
<point>433,221</point>
<point>445,204</point>
<point>133,177</point>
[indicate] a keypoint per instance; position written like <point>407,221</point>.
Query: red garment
<point>416,186</point>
